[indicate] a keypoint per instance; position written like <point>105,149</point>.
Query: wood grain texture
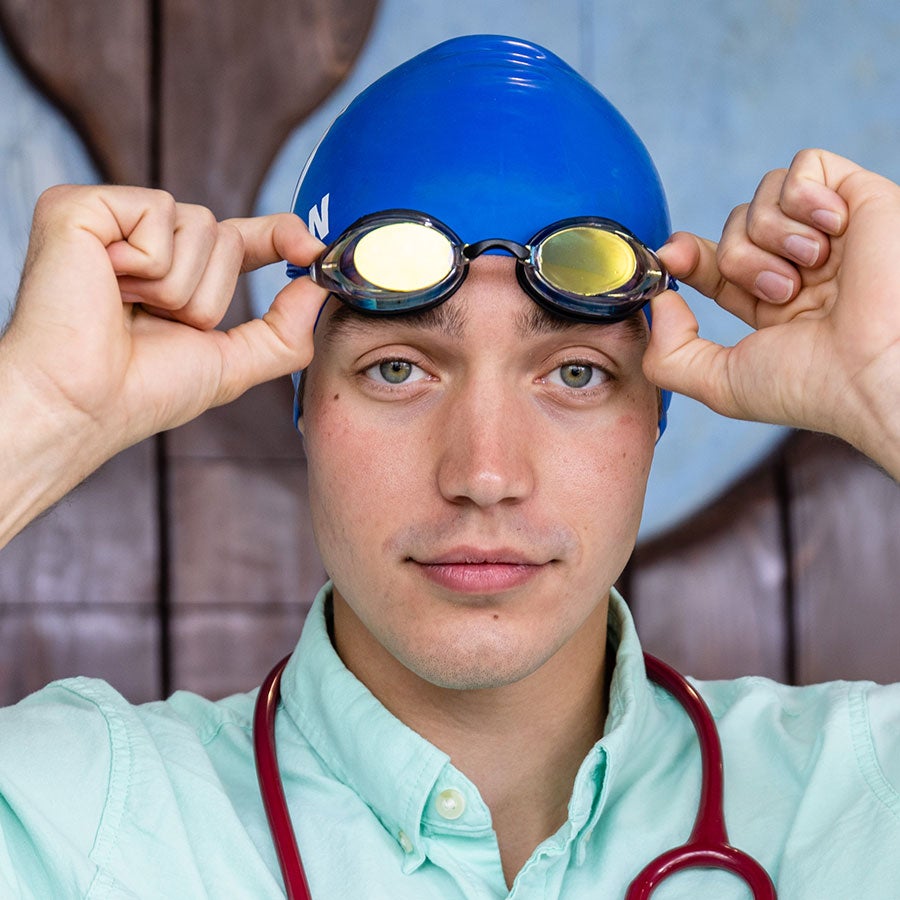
<point>78,587</point>
<point>116,642</point>
<point>245,564</point>
<point>846,526</point>
<point>236,81</point>
<point>219,651</point>
<point>93,59</point>
<point>709,596</point>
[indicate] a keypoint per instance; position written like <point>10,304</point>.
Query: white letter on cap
<point>318,223</point>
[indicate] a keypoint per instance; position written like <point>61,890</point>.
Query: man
<point>467,713</point>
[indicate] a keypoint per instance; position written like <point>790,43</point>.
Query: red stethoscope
<point>707,847</point>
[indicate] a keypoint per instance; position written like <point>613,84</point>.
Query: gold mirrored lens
<point>403,256</point>
<point>586,260</point>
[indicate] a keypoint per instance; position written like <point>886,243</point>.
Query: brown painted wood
<point>846,527</point>
<point>78,587</point>
<point>237,78</point>
<point>43,642</point>
<point>248,570</point>
<point>220,651</point>
<point>93,59</point>
<point>708,596</point>
<point>249,521</point>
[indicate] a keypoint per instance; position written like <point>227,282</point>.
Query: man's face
<point>476,475</point>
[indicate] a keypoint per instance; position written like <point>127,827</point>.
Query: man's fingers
<point>205,306</point>
<point>279,343</point>
<point>811,192</point>
<point>207,259</point>
<point>758,266</point>
<point>694,261</point>
<point>198,242</point>
<point>269,239</point>
<point>677,359</point>
<point>769,227</point>
<point>136,225</point>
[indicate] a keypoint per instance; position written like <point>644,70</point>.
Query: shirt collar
<point>349,728</point>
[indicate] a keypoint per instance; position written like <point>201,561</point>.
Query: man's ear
<point>299,385</point>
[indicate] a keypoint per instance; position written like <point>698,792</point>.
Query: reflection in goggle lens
<point>585,260</point>
<point>403,256</point>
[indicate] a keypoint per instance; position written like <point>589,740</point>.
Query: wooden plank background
<point>188,561</point>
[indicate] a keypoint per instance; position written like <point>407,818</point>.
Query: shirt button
<point>450,804</point>
<point>405,842</point>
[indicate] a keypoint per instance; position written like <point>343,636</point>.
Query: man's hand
<point>810,264</point>
<point>113,337</point>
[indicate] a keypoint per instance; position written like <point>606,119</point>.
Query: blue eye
<point>394,371</point>
<point>577,375</point>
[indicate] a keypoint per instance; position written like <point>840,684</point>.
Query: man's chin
<point>482,665</point>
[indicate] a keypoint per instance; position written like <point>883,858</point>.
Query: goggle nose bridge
<point>519,251</point>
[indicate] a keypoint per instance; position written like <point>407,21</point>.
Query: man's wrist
<point>877,428</point>
<point>45,450</point>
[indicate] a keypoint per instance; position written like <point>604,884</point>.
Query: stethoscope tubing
<point>271,788</point>
<point>707,846</point>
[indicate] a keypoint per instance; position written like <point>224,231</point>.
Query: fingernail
<point>827,220</point>
<point>774,287</point>
<point>801,249</point>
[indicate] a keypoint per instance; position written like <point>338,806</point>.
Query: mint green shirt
<point>101,799</point>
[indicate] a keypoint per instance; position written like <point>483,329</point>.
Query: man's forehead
<point>450,320</point>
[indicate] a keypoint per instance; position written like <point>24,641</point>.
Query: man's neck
<point>521,744</point>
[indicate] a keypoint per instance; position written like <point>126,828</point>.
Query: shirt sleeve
<point>56,780</point>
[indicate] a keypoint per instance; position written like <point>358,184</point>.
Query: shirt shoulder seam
<point>121,756</point>
<point>864,748</point>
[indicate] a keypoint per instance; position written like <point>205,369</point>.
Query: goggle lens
<point>404,257</point>
<point>585,260</point>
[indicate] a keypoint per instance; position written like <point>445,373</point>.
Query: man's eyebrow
<point>449,320</point>
<point>347,321</point>
<point>538,321</point>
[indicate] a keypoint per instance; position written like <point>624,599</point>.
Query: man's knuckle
<point>731,258</point>
<point>762,222</point>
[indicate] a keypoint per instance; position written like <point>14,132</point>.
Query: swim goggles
<point>398,261</point>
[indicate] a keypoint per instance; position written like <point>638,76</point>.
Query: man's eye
<point>576,375</point>
<point>394,371</point>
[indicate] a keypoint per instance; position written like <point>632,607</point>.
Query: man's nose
<point>487,454</point>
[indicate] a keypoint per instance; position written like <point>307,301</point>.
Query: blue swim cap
<point>494,136</point>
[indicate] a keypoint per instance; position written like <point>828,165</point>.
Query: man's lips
<point>469,570</point>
